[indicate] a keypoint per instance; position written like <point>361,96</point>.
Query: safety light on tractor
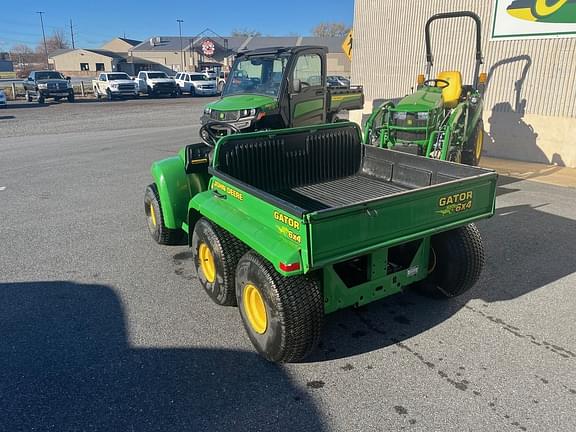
<point>260,115</point>
<point>289,267</point>
<point>483,78</point>
<point>420,79</point>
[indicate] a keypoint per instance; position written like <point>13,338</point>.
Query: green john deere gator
<point>277,88</point>
<point>294,224</point>
<point>443,118</point>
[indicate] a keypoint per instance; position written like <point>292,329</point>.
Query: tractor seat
<point>451,94</point>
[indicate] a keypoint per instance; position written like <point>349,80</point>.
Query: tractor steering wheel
<point>209,134</point>
<point>435,82</point>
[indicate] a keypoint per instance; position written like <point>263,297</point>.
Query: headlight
<point>43,86</point>
<point>248,112</point>
<point>70,85</point>
<point>423,115</point>
<point>399,116</point>
<point>207,110</point>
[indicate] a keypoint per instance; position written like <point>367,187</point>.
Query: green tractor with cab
<point>443,118</point>
<point>294,224</point>
<point>277,88</point>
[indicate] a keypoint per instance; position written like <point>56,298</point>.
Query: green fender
<point>176,188</point>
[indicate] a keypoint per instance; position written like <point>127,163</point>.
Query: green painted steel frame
<point>380,284</point>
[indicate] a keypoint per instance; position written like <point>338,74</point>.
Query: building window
<point>100,67</point>
<point>84,67</point>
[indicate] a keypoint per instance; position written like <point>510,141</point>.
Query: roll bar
<point>448,15</point>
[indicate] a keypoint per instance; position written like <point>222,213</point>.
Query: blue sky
<point>97,22</point>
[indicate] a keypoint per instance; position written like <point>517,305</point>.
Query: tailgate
<point>342,233</point>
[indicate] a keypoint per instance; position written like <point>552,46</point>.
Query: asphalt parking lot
<point>101,329</point>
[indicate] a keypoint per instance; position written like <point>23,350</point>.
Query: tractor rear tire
<point>216,254</point>
<point>159,232</point>
<point>473,148</point>
<point>456,261</point>
<point>283,316</point>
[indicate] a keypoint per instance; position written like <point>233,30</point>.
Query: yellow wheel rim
<point>152,215</point>
<point>255,308</point>
<point>207,264</point>
<point>479,144</point>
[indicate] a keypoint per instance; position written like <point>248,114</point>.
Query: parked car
<point>337,81</point>
<point>45,84</point>
<point>2,99</point>
<point>210,73</point>
<point>156,83</point>
<point>114,85</point>
<point>221,81</point>
<point>196,84</point>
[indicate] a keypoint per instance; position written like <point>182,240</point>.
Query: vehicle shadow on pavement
<point>23,105</point>
<point>67,366</point>
<point>522,245</point>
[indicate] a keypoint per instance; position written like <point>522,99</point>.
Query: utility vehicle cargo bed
<point>349,198</point>
<point>341,192</point>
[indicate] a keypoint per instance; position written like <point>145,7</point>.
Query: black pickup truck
<point>42,85</point>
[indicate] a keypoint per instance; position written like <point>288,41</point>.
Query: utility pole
<point>181,50</point>
<point>44,37</point>
<point>72,34</point>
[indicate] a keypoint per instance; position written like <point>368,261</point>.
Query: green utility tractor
<point>443,118</point>
<point>295,224</point>
<point>276,88</point>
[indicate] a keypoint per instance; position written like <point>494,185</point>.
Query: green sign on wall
<point>523,19</point>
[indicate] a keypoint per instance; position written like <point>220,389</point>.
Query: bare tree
<point>57,40</point>
<point>330,29</point>
<point>245,32</point>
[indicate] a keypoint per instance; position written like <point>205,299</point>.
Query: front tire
<point>216,254</point>
<point>473,148</point>
<point>109,96</point>
<point>71,97</point>
<point>40,99</point>
<point>28,97</point>
<point>456,262</point>
<point>283,316</point>
<point>153,210</point>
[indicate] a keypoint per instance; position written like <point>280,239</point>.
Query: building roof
<point>172,43</point>
<point>132,42</point>
<point>106,53</point>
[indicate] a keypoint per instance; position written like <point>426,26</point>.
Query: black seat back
<point>282,161</point>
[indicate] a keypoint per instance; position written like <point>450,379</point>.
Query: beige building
<point>112,57</point>
<point>85,62</point>
<point>530,103</point>
<point>188,53</point>
<point>120,45</point>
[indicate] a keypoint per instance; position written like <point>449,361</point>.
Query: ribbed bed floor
<point>341,192</point>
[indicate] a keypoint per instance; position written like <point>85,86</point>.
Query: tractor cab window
<point>257,75</point>
<point>309,70</point>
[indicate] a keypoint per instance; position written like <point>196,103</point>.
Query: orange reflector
<point>260,116</point>
<point>420,79</point>
<point>289,267</point>
<point>483,78</point>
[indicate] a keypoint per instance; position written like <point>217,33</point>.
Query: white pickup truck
<point>114,85</point>
<point>156,83</point>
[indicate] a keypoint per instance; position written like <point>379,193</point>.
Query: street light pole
<point>181,51</point>
<point>44,38</point>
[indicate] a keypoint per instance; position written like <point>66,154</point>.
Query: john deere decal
<point>520,19</point>
<point>550,11</point>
